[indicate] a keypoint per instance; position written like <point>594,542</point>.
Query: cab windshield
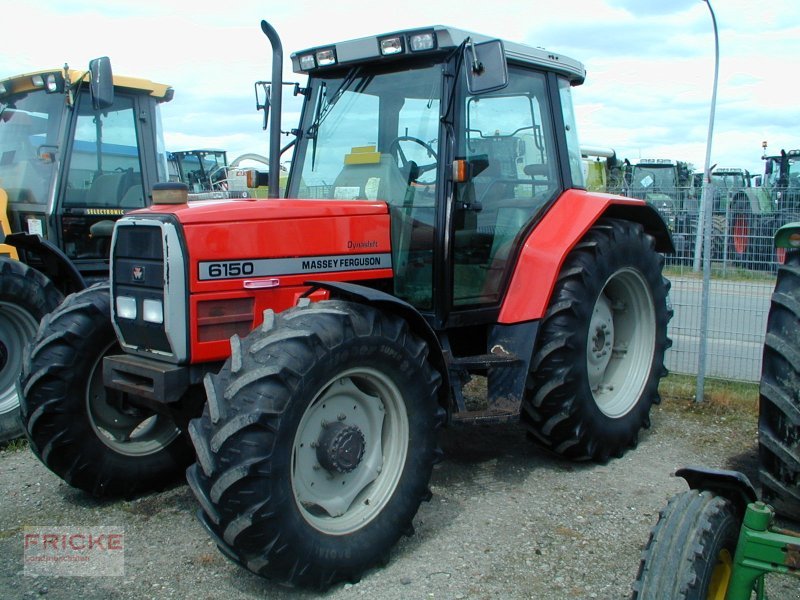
<point>29,125</point>
<point>728,181</point>
<point>371,134</point>
<point>651,177</point>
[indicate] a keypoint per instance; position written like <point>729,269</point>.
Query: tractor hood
<point>231,211</point>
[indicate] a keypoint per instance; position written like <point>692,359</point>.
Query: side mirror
<point>102,84</point>
<point>486,66</point>
<point>266,89</point>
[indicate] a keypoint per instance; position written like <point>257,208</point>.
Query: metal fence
<point>744,262</point>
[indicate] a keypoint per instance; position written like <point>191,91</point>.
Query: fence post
<point>706,205</point>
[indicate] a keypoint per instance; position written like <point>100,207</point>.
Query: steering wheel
<point>409,167</point>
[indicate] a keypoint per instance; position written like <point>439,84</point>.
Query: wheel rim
<point>720,576</point>
<point>124,428</point>
<point>17,328</point>
<point>342,481</point>
<point>621,342</point>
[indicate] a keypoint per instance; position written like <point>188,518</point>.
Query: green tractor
<point>717,540</point>
<point>668,186</point>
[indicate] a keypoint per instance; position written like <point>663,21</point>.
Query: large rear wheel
<point>779,394</point>
<point>25,297</point>
<point>600,351</point>
<point>689,555</point>
<point>317,443</point>
<point>92,437</point>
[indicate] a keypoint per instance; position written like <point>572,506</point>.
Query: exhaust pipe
<point>275,102</point>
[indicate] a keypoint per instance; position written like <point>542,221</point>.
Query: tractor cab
<point>463,137</point>
<point>77,151</point>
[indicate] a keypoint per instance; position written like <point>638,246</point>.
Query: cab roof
<point>26,83</point>
<point>368,49</point>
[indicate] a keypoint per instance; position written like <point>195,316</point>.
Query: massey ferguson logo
<point>138,274</point>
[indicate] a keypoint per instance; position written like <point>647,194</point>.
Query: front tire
<point>317,443</point>
<point>25,297</point>
<point>779,395</point>
<point>86,434</point>
<point>600,351</point>
<point>689,555</point>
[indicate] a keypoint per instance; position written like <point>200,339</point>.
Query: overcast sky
<point>650,63</point>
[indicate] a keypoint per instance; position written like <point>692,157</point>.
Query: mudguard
<point>57,266</point>
<point>548,245</point>
<point>733,485</point>
<point>359,293</point>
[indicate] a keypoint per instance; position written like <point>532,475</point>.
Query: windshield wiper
<point>324,107</point>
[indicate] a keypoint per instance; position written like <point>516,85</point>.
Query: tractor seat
<point>106,190</point>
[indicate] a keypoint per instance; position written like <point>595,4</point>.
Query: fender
<point>57,266</point>
<point>547,246</point>
<point>366,295</point>
<point>733,485</point>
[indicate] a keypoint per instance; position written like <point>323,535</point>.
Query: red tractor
<point>435,228</point>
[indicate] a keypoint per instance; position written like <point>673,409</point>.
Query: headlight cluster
<point>152,309</point>
<point>390,45</point>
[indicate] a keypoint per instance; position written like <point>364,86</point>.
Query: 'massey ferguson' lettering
<point>267,267</point>
<point>341,263</point>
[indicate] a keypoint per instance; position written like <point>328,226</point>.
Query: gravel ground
<point>505,521</point>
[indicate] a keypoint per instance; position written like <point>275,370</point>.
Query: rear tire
<point>779,395</point>
<point>25,297</point>
<point>317,443</point>
<point>689,555</point>
<point>86,434</point>
<point>600,351</point>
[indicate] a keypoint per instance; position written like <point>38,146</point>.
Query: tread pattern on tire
<point>684,546</point>
<point>240,445</point>
<point>779,395</point>
<point>32,291</point>
<point>558,401</point>
<point>54,412</point>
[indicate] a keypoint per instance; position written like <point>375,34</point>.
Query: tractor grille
<point>138,269</point>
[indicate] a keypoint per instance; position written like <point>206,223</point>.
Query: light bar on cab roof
<point>396,44</point>
<point>326,57</point>
<point>49,81</point>
<point>307,62</point>
<point>420,42</point>
<point>392,45</point>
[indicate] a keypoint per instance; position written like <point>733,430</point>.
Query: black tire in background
<point>600,351</point>
<point>86,434</point>
<point>317,443</point>
<point>689,555</point>
<point>25,297</point>
<point>779,394</point>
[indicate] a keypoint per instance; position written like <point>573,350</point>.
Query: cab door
<point>509,141</point>
<point>102,177</point>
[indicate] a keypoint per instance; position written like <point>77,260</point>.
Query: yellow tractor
<point>78,149</point>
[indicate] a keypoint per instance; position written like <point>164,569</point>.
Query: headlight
<point>392,45</point>
<point>326,57</point>
<point>422,41</point>
<point>126,307</point>
<point>153,311</point>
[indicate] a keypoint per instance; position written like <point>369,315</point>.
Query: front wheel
<point>317,443</point>
<point>92,437</point>
<point>600,351</point>
<point>25,297</point>
<point>689,555</point>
